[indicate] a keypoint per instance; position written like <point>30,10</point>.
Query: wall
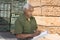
<point>47,14</point>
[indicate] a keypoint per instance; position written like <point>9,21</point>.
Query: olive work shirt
<point>23,26</point>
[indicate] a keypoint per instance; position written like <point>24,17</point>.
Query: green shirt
<point>22,25</point>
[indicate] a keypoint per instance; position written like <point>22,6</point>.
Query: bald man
<point>25,25</point>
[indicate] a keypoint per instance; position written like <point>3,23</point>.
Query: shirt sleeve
<point>35,23</point>
<point>18,27</point>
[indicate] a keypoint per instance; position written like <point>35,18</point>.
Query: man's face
<point>29,11</point>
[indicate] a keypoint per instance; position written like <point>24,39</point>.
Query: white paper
<point>42,34</point>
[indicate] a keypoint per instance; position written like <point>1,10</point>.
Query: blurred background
<point>46,13</point>
<point>9,11</point>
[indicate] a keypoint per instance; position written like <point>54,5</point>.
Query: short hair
<point>26,6</point>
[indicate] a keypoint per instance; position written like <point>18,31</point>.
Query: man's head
<point>28,9</point>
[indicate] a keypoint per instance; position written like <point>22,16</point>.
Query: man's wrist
<point>31,35</point>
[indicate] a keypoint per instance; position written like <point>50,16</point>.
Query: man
<point>25,25</point>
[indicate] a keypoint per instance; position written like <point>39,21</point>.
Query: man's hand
<point>36,33</point>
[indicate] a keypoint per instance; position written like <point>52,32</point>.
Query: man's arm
<point>27,35</point>
<point>24,35</point>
